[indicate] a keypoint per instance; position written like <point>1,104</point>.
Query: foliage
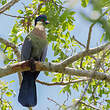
<point>84,3</point>
<point>63,44</point>
<point>3,2</point>
<point>5,92</point>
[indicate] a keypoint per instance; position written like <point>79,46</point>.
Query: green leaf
<point>14,30</point>
<point>70,27</point>
<point>63,41</point>
<point>54,79</point>
<point>5,88</point>
<point>3,2</point>
<point>6,61</point>
<point>63,107</point>
<point>8,94</point>
<point>46,59</point>
<point>108,101</point>
<point>20,11</point>
<point>29,12</point>
<point>46,73</point>
<point>21,38</point>
<point>84,3</point>
<point>67,89</point>
<point>101,39</point>
<point>12,81</point>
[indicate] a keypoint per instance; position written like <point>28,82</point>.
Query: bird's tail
<point>27,94</point>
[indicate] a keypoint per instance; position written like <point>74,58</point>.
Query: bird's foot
<point>32,65</point>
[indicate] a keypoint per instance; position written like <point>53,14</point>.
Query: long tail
<point>27,94</point>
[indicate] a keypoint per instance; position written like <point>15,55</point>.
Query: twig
<point>66,99</point>
<point>84,47</point>
<point>89,35</point>
<point>89,105</point>
<point>94,89</point>
<point>81,63</point>
<point>54,101</point>
<point>8,5</point>
<point>13,15</point>
<point>7,102</point>
<point>78,42</point>
<point>35,13</point>
<point>62,83</point>
<point>39,7</point>
<point>90,29</point>
<point>20,44</point>
<point>13,46</point>
<point>83,93</point>
<point>96,68</point>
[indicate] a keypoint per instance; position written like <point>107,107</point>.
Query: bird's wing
<point>44,53</point>
<point>26,49</point>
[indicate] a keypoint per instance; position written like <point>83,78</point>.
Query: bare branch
<point>90,29</point>
<point>62,83</point>
<point>13,15</point>
<point>54,102</point>
<point>89,105</point>
<point>8,5</point>
<point>89,35</point>
<point>81,63</point>
<point>78,42</point>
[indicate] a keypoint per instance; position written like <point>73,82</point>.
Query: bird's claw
<point>32,65</point>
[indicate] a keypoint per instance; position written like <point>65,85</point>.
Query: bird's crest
<point>41,18</point>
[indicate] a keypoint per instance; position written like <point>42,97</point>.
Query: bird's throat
<point>39,30</point>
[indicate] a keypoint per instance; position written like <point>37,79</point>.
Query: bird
<point>34,47</point>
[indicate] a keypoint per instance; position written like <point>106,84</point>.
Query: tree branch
<point>55,67</point>
<point>83,54</point>
<point>88,105</point>
<point>54,102</point>
<point>62,83</point>
<point>51,67</point>
<point>90,29</point>
<point>13,46</point>
<point>78,42</point>
<point>8,5</point>
<point>13,15</point>
<point>16,51</point>
<point>34,13</point>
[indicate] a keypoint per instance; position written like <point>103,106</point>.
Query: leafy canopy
<point>63,45</point>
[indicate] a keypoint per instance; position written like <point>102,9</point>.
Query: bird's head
<point>41,18</point>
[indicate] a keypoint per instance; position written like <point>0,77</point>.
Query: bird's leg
<point>32,64</point>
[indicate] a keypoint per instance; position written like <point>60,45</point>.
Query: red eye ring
<point>42,20</point>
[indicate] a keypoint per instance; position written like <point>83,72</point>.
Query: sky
<point>43,92</point>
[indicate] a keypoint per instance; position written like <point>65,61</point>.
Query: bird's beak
<point>46,22</point>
